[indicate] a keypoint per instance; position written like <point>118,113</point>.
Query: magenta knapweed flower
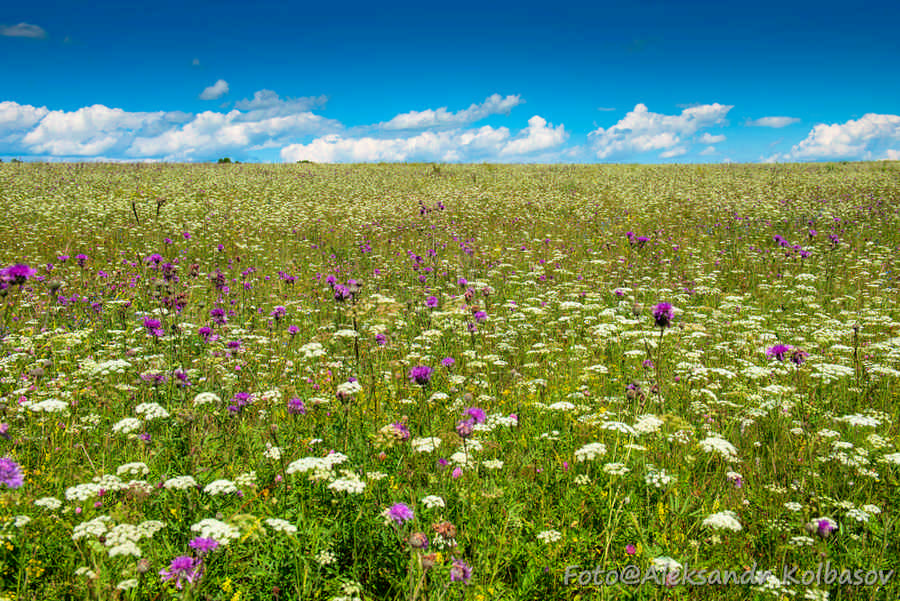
<point>448,362</point>
<point>16,274</point>
<point>476,413</point>
<point>465,427</point>
<point>630,549</point>
<point>11,473</point>
<point>293,330</point>
<point>825,527</point>
<point>421,374</point>
<point>278,312</point>
<point>204,545</point>
<point>398,513</point>
<point>401,430</point>
<point>183,569</point>
<point>4,431</point>
<point>154,327</point>
<point>460,572</point>
<point>663,314</point>
<point>380,339</point>
<point>779,351</point>
<point>431,301</point>
<point>296,407</point>
<point>480,316</point>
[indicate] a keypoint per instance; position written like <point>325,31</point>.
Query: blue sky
<point>649,81</point>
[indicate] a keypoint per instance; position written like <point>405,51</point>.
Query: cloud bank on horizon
<point>295,129</point>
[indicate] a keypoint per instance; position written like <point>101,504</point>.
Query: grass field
<point>419,382</point>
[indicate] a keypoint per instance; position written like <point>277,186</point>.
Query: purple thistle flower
<point>296,407</point>
<point>798,357</point>
<point>825,527</point>
<point>401,430</point>
<point>421,374</point>
<point>82,259</point>
<point>204,545</point>
<point>476,413</point>
<point>183,569</point>
<point>154,327</point>
<point>432,301</point>
<point>292,330</point>
<point>480,316</point>
<point>448,362</point>
<point>16,274</point>
<point>779,351</point>
<point>341,293</point>
<point>460,572</point>
<point>278,312</point>
<point>465,427</point>
<point>462,282</point>
<point>11,473</point>
<point>663,314</point>
<point>398,513</point>
<point>4,431</point>
<point>380,339</point>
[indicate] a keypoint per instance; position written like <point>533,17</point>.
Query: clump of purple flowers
<point>154,327</point>
<point>296,407</point>
<point>421,374</point>
<point>398,513</point>
<point>239,401</point>
<point>183,569</point>
<point>16,275</point>
<point>204,545</point>
<point>663,313</point>
<point>779,351</point>
<point>460,572</point>
<point>11,473</point>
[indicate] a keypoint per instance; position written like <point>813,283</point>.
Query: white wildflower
<point>127,425</point>
<point>724,520</point>
<point>432,501</point>
<point>549,536</point>
<point>207,398</point>
<point>590,451</point>
<point>137,468</point>
<point>279,525</point>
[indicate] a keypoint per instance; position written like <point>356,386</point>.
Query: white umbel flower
<point>590,451</point>
<point>724,520</point>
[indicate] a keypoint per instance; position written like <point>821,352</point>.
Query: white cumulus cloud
<point>493,105</point>
<point>710,139</point>
<point>211,132</point>
<point>537,136</point>
<point>872,136</point>
<point>474,144</point>
<point>773,122</point>
<point>266,104</point>
<point>19,117</point>
<point>440,146</point>
<point>90,130</point>
<point>643,131</point>
<point>23,30</point>
<point>217,90</point>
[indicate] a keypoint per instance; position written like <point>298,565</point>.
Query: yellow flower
<point>226,586</point>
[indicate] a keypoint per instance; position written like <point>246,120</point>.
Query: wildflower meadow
<point>447,382</point>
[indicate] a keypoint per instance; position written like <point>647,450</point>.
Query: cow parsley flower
<point>724,520</point>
